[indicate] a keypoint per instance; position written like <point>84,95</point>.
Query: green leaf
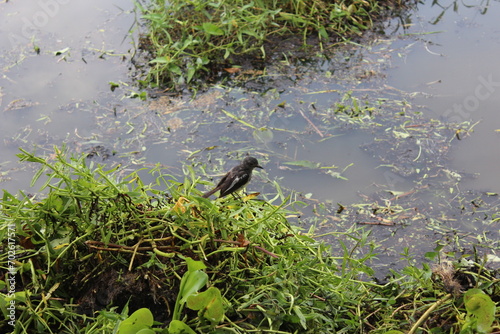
<point>192,282</point>
<point>480,310</point>
<point>160,60</point>
<point>335,174</point>
<point>209,303</point>
<point>300,315</point>
<point>212,29</point>
<point>194,265</point>
<point>304,163</point>
<point>174,69</point>
<point>190,73</point>
<point>25,156</point>
<point>146,331</point>
<point>37,176</point>
<point>322,32</point>
<point>139,320</point>
<point>178,327</point>
<point>431,255</point>
<point>56,203</point>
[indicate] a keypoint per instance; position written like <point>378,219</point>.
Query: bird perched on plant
<point>236,178</point>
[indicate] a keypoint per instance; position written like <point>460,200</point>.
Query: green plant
<point>480,312</point>
<point>208,303</point>
<point>139,322</point>
<point>188,38</point>
<point>93,236</point>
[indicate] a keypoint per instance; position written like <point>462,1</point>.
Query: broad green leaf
<point>140,319</point>
<point>178,327</point>
<point>482,309</point>
<point>146,331</point>
<point>194,265</point>
<point>192,282</point>
<point>210,304</point>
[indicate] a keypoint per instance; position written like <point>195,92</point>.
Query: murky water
<point>46,98</point>
<point>449,68</point>
<point>463,56</point>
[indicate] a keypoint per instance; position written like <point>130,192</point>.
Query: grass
<point>95,248</point>
<point>189,40</point>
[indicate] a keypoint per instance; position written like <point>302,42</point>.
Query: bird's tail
<point>209,193</point>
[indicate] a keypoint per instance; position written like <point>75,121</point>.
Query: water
<point>448,69</point>
<point>463,56</point>
<point>59,92</point>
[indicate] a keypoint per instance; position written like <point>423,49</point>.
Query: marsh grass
<point>95,248</point>
<point>189,40</point>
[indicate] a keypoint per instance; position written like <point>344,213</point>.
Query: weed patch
<point>95,248</point>
<point>199,39</point>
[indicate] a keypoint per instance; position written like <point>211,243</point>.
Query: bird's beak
<point>259,167</point>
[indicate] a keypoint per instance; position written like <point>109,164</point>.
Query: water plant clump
<point>98,253</point>
<point>188,40</point>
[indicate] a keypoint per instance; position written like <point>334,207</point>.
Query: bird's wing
<point>221,182</point>
<point>238,182</point>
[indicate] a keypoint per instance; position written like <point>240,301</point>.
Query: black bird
<point>236,178</point>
